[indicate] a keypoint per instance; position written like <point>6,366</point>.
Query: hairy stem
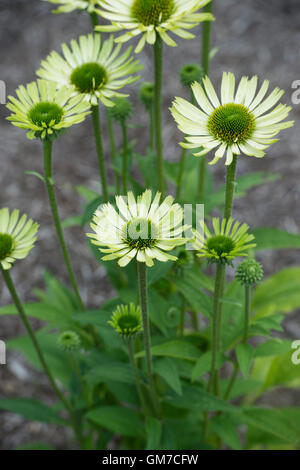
<point>99,148</point>
<point>125,158</point>
<point>158,56</point>
<point>136,375</point>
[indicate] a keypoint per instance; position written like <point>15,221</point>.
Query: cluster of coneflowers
<point>91,72</point>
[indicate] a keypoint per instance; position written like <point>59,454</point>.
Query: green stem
<point>99,148</point>
<point>113,150</point>
<point>47,149</point>
<point>205,62</point>
<point>94,19</point>
<point>158,61</point>
<point>125,157</point>
<point>244,340</point>
<point>182,316</point>
<point>151,120</point>
<point>230,187</point>
<point>10,285</point>
<point>136,375</point>
<point>181,173</point>
<point>142,280</point>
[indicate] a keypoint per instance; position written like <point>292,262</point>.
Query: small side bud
<point>121,111</point>
<point>191,73</point>
<point>249,272</point>
<point>69,341</point>
<point>146,94</point>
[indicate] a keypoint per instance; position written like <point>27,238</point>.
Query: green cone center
<point>231,123</point>
<point>140,233</point>
<point>152,12</point>
<point>128,322</point>
<point>89,77</point>
<point>6,244</point>
<point>220,245</point>
<point>45,114</point>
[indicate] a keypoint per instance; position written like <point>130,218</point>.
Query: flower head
<point>44,110</point>
<point>69,341</point>
<point>151,18</point>
<point>249,272</point>
<point>228,240</point>
<point>17,237</point>
<point>241,123</point>
<point>143,229</point>
<point>95,69</point>
<point>146,94</point>
<point>191,73</point>
<point>127,320</point>
<point>70,5</point>
<point>121,111</point>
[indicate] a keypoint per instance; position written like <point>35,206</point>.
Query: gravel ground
<point>254,37</point>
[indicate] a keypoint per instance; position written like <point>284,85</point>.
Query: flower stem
<point>99,148</point>
<point>113,149</point>
<point>94,19</point>
<point>136,375</point>
<point>205,61</point>
<point>142,279</point>
<point>10,285</point>
<point>182,316</point>
<point>47,148</point>
<point>181,173</point>
<point>125,156</point>
<point>244,340</point>
<point>158,61</point>
<point>151,120</point>
<point>230,187</point>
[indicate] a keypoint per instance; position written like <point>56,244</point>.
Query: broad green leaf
<point>90,210</point>
<point>166,368</point>
<point>196,398</point>
<point>199,300</point>
<point>263,326</point>
<point>175,348</point>
<point>279,293</point>
<point>272,421</point>
<point>74,221</point>
<point>110,372</point>
<point>268,238</point>
<point>87,194</point>
<point>233,315</point>
<point>31,409</point>
<point>117,419</point>
<point>225,426</point>
<point>244,354</point>
<point>273,347</point>
<point>153,433</point>
<point>203,365</point>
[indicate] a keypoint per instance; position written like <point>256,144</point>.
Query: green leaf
<point>273,421</point>
<point>225,426</point>
<point>117,419</point>
<point>35,173</point>
<point>244,354</point>
<point>203,365</point>
<point>74,221</point>
<point>175,348</point>
<point>166,368</point>
<point>273,347</point>
<point>199,300</point>
<point>196,398</point>
<point>115,372</point>
<point>268,238</point>
<point>87,194</point>
<point>279,293</point>
<point>153,433</point>
<point>90,210</point>
<point>31,409</point>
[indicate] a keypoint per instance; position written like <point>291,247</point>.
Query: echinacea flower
<point>249,272</point>
<point>143,229</point>
<point>95,69</point>
<point>241,123</point>
<point>69,341</point>
<point>151,18</point>
<point>127,320</point>
<point>44,110</point>
<point>17,237</point>
<point>65,6</point>
<point>227,241</point>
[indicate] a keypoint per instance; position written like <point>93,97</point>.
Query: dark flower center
<point>220,245</point>
<point>128,322</point>
<point>89,77</point>
<point>6,244</point>
<point>152,12</point>
<point>231,123</point>
<point>45,114</point>
<point>140,233</point>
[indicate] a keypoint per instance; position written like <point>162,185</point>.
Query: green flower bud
<point>191,73</point>
<point>127,320</point>
<point>249,272</point>
<point>146,94</point>
<point>185,260</point>
<point>121,111</point>
<point>69,341</point>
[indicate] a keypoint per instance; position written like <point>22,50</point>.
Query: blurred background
<point>254,37</point>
